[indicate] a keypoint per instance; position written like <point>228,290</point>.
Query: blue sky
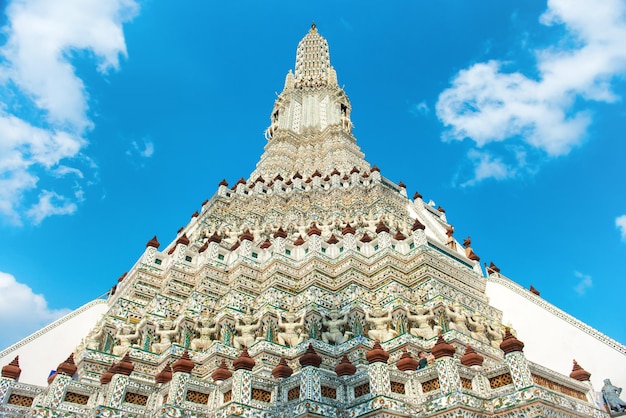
<point>119,117</point>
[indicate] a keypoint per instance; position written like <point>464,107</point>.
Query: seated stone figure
<point>167,330</point>
<point>334,333</point>
<point>126,335</point>
<point>379,321</point>
<point>477,329</point>
<point>247,332</point>
<point>206,327</point>
<point>611,397</point>
<point>457,318</point>
<point>423,318</point>
<point>494,333</point>
<point>293,334</point>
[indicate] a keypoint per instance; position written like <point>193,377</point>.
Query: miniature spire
<point>406,362</point>
<point>345,367</point>
<point>282,369</point>
<point>221,373</point>
<point>244,361</point>
<point>310,358</point>
<point>68,367</point>
<point>579,373</point>
<point>377,354</point>
<point>442,348</point>
<point>509,343</point>
<point>471,357</point>
<point>183,364</point>
<point>12,370</point>
<point>154,242</point>
<point>125,366</point>
<point>164,375</point>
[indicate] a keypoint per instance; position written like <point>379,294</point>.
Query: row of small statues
<point>291,329</point>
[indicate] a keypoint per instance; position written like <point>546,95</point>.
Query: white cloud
<point>36,70</point>
<point>620,222</point>
<point>141,150</point>
<point>419,109</point>
<point>487,166</point>
<point>488,104</point>
<point>50,203</point>
<point>21,310</point>
<point>584,283</point>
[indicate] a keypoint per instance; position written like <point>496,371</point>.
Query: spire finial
<point>313,27</point>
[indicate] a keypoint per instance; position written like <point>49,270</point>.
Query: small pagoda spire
<point>183,240</point>
<point>366,238</point>
<point>406,362</point>
<point>246,236</point>
<point>244,361</point>
<point>215,238</point>
<point>266,244</point>
<point>442,348</point>
<point>154,242</point>
<point>381,227</point>
<point>348,229</point>
<point>345,367</point>
<point>579,373</point>
<point>314,230</point>
<point>125,366</point>
<point>164,375</point>
<point>280,233</point>
<point>509,343</point>
<point>183,364</point>
<point>221,373</point>
<point>417,225</point>
<point>333,239</point>
<point>68,367</point>
<point>377,354</point>
<point>310,357</point>
<point>282,369</point>
<point>106,377</point>
<point>12,370</point>
<point>299,241</point>
<point>471,357</point>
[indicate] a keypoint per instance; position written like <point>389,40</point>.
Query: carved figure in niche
<point>477,328</point>
<point>494,332</point>
<point>611,397</point>
<point>424,318</point>
<point>206,327</point>
<point>293,334</point>
<point>335,325</point>
<point>247,332</point>
<point>126,335</point>
<point>379,321</point>
<point>457,318</point>
<point>94,337</point>
<point>167,330</point>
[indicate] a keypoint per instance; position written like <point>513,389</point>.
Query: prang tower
<point>306,290</point>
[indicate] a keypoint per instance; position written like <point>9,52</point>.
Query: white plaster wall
<point>553,341</point>
<point>42,351</point>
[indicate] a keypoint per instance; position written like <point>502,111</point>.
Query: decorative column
<point>59,382</point>
<point>315,239</point>
<point>242,378</point>
<point>279,241</point>
<point>335,180</point>
<point>149,254</point>
<point>516,360</point>
<point>375,174</point>
<point>378,371</point>
<point>10,374</point>
<point>475,361</point>
<point>219,376</point>
<point>384,239</point>
<point>310,385</point>
<point>117,382</point>
<point>222,188</point>
<point>419,236</point>
<point>180,377</point>
<point>246,239</point>
<point>408,364</point>
<point>449,379</point>
<point>349,241</point>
